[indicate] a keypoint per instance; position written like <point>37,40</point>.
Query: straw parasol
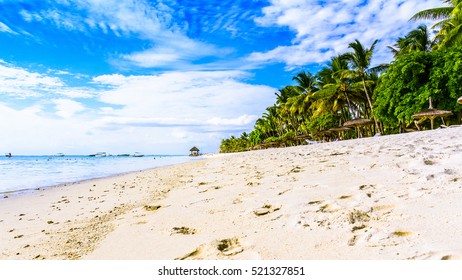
<point>357,123</point>
<point>431,114</point>
<point>459,100</point>
<point>340,129</point>
<point>323,133</point>
<point>302,137</point>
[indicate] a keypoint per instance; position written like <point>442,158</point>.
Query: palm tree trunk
<point>349,104</point>
<point>370,104</point>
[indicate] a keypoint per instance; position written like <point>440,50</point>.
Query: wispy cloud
<point>325,28</point>
<point>148,21</point>
<point>7,29</point>
<point>17,82</point>
<point>20,83</point>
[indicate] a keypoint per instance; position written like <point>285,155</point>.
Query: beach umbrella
<point>302,137</point>
<point>323,132</point>
<point>358,123</point>
<point>459,100</point>
<point>431,114</point>
<point>340,129</point>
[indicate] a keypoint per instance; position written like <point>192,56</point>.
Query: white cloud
<point>18,82</point>
<point>152,113</point>
<point>201,99</point>
<point>125,18</point>
<point>32,133</point>
<point>67,108</point>
<point>324,29</point>
<point>22,83</point>
<point>243,120</point>
<point>7,29</point>
<point>178,51</point>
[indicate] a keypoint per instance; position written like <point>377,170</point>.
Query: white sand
<point>391,197</point>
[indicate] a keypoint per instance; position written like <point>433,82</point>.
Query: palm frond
<point>433,14</point>
<point>379,68</point>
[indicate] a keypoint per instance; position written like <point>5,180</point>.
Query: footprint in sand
<point>266,209</point>
<point>451,257</point>
<point>225,247</point>
<point>183,230</point>
<point>152,207</point>
<point>230,247</point>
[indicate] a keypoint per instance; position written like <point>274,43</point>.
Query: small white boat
<point>138,155</point>
<point>59,155</point>
<point>100,154</point>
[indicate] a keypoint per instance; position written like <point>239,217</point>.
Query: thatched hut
<point>194,152</point>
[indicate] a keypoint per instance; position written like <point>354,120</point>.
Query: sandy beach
<point>390,197</point>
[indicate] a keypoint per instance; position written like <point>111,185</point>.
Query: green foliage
<point>233,144</point>
<point>411,79</point>
<point>322,122</point>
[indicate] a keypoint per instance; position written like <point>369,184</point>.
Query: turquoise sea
<point>31,172</point>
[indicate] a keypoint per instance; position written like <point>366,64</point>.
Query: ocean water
<point>31,172</point>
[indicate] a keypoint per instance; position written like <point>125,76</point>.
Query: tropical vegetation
<point>381,99</point>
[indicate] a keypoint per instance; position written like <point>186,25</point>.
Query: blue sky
<point>161,76</point>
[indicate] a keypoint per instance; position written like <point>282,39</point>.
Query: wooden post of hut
<point>431,114</point>
<point>194,152</point>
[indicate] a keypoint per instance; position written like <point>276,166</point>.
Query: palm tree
<point>342,84</point>
<point>306,82</point>
<point>286,93</point>
<point>416,40</point>
<point>450,22</point>
<point>360,60</point>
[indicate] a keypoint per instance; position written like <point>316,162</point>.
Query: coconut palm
<point>416,40</point>
<point>285,93</point>
<point>449,21</point>
<point>360,60</point>
<point>306,82</point>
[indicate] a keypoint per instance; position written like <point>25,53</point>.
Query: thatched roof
<point>358,122</point>
<point>432,113</point>
<point>302,137</point>
<point>194,149</point>
<point>324,132</point>
<point>459,100</point>
<point>337,129</point>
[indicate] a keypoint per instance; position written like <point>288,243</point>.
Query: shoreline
<point>389,197</point>
<point>84,179</point>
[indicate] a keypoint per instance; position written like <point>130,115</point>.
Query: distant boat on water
<point>59,155</point>
<point>100,154</point>
<point>138,155</point>
<point>123,155</point>
<point>8,155</point>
